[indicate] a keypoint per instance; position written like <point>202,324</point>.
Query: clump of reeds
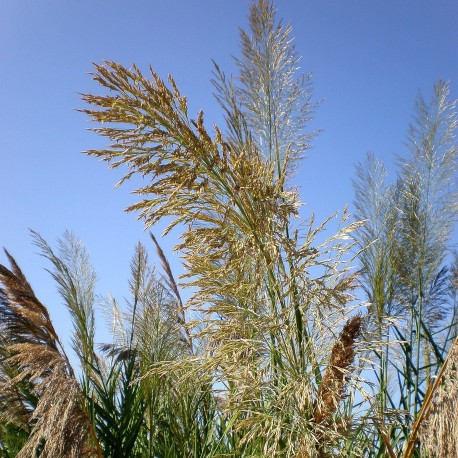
<point>244,378</point>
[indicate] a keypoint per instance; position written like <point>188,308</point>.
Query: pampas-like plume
<point>438,434</point>
<point>332,386</point>
<point>61,427</point>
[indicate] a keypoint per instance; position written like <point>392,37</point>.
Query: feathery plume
<point>438,433</point>
<point>332,386</point>
<point>61,427</point>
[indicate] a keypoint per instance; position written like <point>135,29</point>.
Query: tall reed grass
<point>271,355</point>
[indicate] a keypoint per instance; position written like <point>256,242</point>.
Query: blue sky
<point>369,60</point>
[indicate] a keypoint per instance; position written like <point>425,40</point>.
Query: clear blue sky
<point>369,59</point>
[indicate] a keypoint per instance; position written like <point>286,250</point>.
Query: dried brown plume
<point>332,386</point>
<point>60,425</point>
<point>438,432</point>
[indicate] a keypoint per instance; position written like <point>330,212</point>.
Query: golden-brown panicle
<point>438,434</point>
<point>332,385</point>
<point>61,427</point>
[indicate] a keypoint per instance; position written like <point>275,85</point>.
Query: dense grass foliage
<point>283,348</point>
